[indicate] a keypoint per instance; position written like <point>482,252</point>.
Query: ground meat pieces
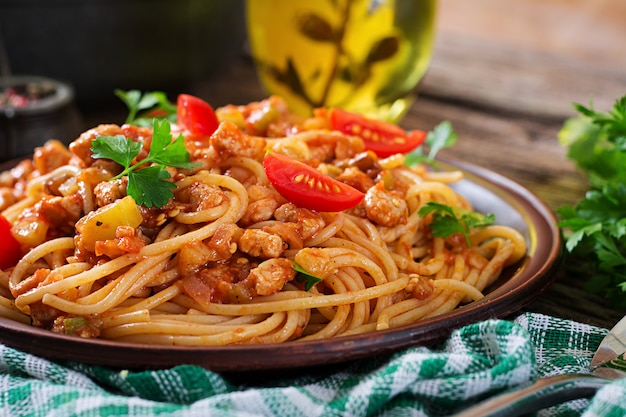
<point>228,141</point>
<point>386,208</point>
<point>271,275</point>
<point>107,192</point>
<point>53,154</point>
<point>261,244</point>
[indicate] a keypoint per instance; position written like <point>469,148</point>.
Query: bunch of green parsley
<point>595,228</point>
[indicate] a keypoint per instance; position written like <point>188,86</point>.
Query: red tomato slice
<point>306,187</point>
<point>384,139</point>
<point>196,116</point>
<point>10,251</point>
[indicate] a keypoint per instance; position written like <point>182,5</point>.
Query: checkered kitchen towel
<point>475,362</point>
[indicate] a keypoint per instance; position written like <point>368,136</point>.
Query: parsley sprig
<point>148,179</point>
<point>442,136</point>
<point>143,107</point>
<point>449,220</point>
<point>595,227</point>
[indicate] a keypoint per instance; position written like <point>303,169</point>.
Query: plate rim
<point>297,355</point>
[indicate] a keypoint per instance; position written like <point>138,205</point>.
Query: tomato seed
<point>355,129</point>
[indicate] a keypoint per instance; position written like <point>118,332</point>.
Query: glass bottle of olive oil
<point>365,56</point>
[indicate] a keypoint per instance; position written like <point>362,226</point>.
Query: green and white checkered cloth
<point>477,361</point>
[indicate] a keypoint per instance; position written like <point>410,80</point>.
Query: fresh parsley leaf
<point>143,107</point>
<point>449,220</point>
<point>164,151</point>
<point>117,148</point>
<point>442,136</point>
<point>148,185</point>
<point>304,277</point>
<point>596,143</point>
<point>595,227</point>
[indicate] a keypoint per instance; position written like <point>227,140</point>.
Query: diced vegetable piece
<point>101,224</point>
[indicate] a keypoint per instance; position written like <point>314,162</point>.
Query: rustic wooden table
<point>506,77</point>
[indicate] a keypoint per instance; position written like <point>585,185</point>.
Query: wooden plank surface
<point>585,30</point>
<point>534,83</point>
<point>532,56</point>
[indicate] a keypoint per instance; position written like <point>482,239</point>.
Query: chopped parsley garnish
<point>148,178</point>
<point>448,220</point>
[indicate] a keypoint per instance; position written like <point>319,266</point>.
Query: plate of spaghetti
<point>247,238</point>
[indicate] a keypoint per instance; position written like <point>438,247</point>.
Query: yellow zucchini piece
<point>102,223</point>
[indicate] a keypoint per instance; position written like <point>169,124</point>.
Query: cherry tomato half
<point>384,139</point>
<point>10,251</point>
<point>196,116</point>
<point>306,187</point>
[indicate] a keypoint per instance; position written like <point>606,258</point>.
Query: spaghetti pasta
<point>215,265</point>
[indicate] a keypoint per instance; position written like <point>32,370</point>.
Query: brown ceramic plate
<point>512,204</point>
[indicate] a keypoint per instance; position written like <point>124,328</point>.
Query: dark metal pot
<point>53,115</point>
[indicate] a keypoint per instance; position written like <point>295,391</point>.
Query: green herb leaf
<point>117,148</point>
<point>442,136</point>
<point>384,49</point>
<point>304,277</point>
<point>316,28</point>
<point>164,151</point>
<point>144,107</point>
<point>595,227</point>
<point>448,220</point>
<point>148,185</point>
